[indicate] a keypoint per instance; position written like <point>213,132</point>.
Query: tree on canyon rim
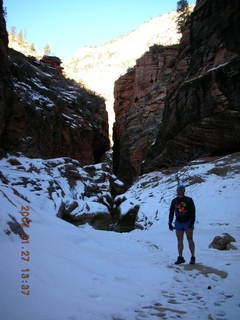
<point>47,50</point>
<point>183,13</point>
<point>20,37</point>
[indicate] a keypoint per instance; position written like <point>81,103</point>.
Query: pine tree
<point>13,33</point>
<point>183,13</point>
<point>47,50</point>
<point>20,37</point>
<point>32,48</point>
<point>4,12</point>
<point>181,5</point>
<point>24,35</point>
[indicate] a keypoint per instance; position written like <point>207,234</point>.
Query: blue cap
<point>180,186</point>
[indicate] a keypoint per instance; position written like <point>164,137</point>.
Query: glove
<point>170,226</point>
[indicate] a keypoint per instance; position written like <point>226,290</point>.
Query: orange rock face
<point>51,117</point>
<point>139,103</point>
<point>44,115</point>
<point>202,111</point>
<point>181,103</point>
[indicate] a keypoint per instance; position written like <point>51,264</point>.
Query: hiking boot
<point>180,260</point>
<point>192,260</point>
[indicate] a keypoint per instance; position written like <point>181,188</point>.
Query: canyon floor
<point>79,273</point>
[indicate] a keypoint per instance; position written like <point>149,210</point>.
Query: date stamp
<point>25,251</point>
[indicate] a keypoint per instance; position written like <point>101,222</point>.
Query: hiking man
<point>184,210</point>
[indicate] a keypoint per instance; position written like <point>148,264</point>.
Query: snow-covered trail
<point>78,273</point>
<point>103,275</point>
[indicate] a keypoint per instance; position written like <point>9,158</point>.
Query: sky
<point>68,25</point>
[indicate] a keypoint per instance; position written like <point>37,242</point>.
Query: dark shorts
<point>183,226</point>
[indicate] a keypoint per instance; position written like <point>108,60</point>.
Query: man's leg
<point>179,235</point>
<point>191,243</point>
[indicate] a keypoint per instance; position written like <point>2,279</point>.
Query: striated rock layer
<point>50,116</point>
<point>139,103</point>
<point>43,114</point>
<point>200,111</point>
<point>100,66</point>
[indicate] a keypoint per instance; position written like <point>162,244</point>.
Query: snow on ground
<point>78,273</point>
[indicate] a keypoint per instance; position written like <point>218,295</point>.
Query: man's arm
<point>171,212</point>
<point>193,211</point>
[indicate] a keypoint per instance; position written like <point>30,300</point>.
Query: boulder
<point>223,242</point>
<point>127,222</point>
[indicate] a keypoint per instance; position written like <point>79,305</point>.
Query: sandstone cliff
<point>202,113</point>
<point>44,115</point>
<point>139,103</point>
<point>200,108</point>
<point>99,66</point>
<point>4,72</point>
<point>51,116</point>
